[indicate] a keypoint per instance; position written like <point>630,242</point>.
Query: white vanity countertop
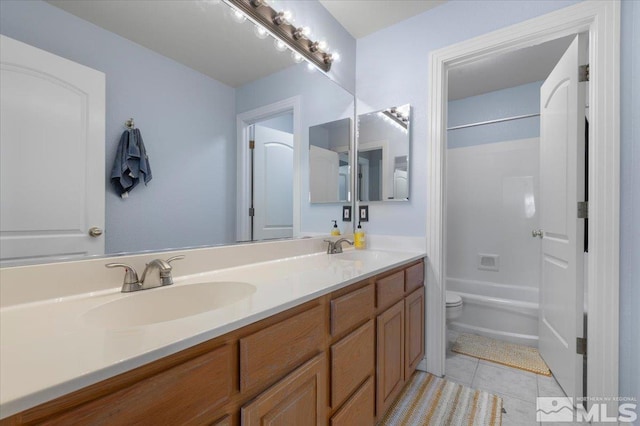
<point>48,350</point>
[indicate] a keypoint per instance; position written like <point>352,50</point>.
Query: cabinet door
<point>390,350</point>
<point>414,331</point>
<point>352,360</point>
<point>299,399</point>
<point>358,410</point>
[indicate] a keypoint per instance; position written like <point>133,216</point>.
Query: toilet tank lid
<point>453,298</point>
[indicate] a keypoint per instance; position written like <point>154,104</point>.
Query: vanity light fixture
<point>280,25</point>
<point>397,117</point>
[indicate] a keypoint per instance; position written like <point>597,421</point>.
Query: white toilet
<point>454,305</point>
<point>453,311</point>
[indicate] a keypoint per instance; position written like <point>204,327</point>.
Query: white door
<point>324,166</point>
<point>400,185</point>
<point>52,112</point>
<point>562,100</point>
<point>273,184</point>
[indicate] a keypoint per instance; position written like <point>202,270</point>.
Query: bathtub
<point>500,311</point>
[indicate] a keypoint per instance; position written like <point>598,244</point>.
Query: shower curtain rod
<point>498,120</point>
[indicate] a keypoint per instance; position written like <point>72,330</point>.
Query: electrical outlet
<point>346,213</point>
<point>364,214</point>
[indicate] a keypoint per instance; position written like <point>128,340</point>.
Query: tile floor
<point>517,388</point>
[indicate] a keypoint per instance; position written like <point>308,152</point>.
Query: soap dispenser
<point>360,241</point>
<point>335,231</point>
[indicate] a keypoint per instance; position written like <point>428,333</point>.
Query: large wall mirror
<point>185,71</point>
<point>384,139</point>
<point>329,168</point>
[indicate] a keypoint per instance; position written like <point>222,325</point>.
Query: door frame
<point>243,192</point>
<point>602,21</point>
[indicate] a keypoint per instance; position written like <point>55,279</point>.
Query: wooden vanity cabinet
<point>399,331</point>
<point>341,359</point>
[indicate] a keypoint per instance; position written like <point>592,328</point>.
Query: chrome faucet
<point>131,281</point>
<point>336,246</point>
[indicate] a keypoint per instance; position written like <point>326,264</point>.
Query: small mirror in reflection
<point>383,154</point>
<point>329,173</point>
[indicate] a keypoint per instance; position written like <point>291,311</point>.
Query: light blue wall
<point>393,69</point>
<point>630,202</point>
<point>321,101</point>
<point>187,121</point>
<point>515,101</point>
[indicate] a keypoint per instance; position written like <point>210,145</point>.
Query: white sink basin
<point>166,304</point>
<point>361,255</point>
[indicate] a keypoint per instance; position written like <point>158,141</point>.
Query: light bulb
<point>238,16</point>
<point>335,56</point>
<point>306,31</point>
<point>260,32</point>
<point>280,45</point>
<point>322,45</point>
<point>297,57</point>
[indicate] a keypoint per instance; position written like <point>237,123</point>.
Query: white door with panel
<point>52,112</point>
<point>562,145</point>
<point>324,172</point>
<point>273,184</point>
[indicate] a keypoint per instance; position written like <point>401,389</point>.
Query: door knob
<point>95,232</point>
<point>537,233</point>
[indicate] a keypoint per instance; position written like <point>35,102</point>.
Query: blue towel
<point>131,163</point>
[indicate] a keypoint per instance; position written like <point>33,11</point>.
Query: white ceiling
<point>362,17</point>
<point>506,70</point>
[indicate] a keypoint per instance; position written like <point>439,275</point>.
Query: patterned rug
<point>517,356</point>
<point>430,400</point>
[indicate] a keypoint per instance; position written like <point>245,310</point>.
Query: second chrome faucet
<point>335,247</point>
<point>131,281</point>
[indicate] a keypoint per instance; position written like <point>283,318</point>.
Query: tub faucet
<point>336,247</point>
<point>131,281</point>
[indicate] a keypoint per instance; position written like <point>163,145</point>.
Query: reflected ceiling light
<point>280,25</point>
<point>260,32</point>
<point>297,58</point>
<point>398,116</point>
<point>238,16</point>
<point>280,45</point>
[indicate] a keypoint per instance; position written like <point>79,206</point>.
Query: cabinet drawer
<point>269,354</point>
<point>352,360</point>
<point>351,309</point>
<point>299,399</point>
<point>414,277</point>
<point>187,393</point>
<point>359,409</point>
<point>389,290</point>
